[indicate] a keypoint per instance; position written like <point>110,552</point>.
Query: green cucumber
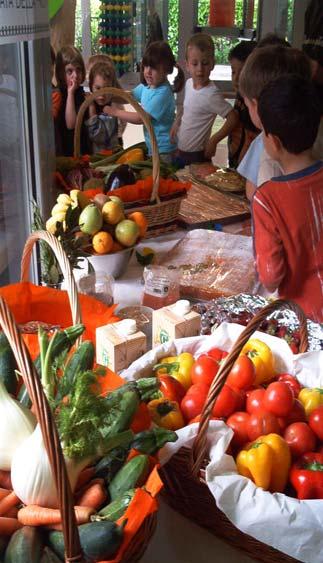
<point>63,343</point>
<point>120,416</point>
<point>150,441</point>
<point>99,540</point>
<point>49,556</point>
<point>115,509</point>
<point>8,365</point>
<point>81,361</point>
<point>25,546</point>
<point>110,464</point>
<point>133,474</point>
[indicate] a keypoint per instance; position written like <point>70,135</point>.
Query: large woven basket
<point>183,476</point>
<point>140,540</point>
<point>161,215</point>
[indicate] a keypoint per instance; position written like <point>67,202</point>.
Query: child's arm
<point>269,249</point>
<point>230,123</point>
<point>250,189</point>
<point>70,111</point>
<point>92,110</point>
<point>129,116</point>
<point>176,125</point>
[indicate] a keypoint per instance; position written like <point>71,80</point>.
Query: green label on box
<point>163,336</point>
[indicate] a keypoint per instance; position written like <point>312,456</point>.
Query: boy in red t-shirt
<point>288,210</point>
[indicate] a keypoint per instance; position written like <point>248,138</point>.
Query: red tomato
<point>261,423</point>
<point>278,398</point>
<point>228,401</point>
<point>193,402</point>
<point>255,400</point>
<point>204,370</point>
<point>291,382</point>
<point>243,373</point>
<point>316,421</point>
<point>300,438</point>
<point>217,354</point>
<point>296,414</point>
<point>238,421</point>
<point>171,388</point>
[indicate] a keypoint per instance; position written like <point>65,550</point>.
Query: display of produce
<point>210,264</point>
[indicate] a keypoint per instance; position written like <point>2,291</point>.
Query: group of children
<point>271,130</point>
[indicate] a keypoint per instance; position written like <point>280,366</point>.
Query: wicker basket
<point>161,215</point>
<point>183,476</point>
<point>140,540</point>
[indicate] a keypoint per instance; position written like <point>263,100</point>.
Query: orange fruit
<point>116,247</point>
<point>102,242</point>
<point>140,219</point>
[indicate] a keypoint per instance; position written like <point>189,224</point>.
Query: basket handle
<point>147,123</point>
<point>63,263</point>
<point>49,432</point>
<point>199,449</point>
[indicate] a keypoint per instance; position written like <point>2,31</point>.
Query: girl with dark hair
<point>156,96</point>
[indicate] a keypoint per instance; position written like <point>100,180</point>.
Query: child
<point>70,74</point>
<point>102,129</point>
<point>104,58</point>
<point>262,66</point>
<point>245,131</point>
<point>287,210</point>
<point>156,96</point>
<point>202,102</point>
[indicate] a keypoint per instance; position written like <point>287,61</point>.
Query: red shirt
<point>288,237</point>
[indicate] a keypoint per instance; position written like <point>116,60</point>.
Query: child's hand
<point>210,149</point>
<point>110,110</point>
<point>72,85</point>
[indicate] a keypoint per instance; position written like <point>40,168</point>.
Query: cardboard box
<point>115,351</point>
<point>168,325</point>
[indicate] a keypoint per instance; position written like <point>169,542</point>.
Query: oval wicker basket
<point>159,214</point>
<point>140,540</point>
<point>184,475</point>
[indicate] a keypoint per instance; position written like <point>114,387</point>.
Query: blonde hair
<point>265,64</point>
<point>65,56</point>
<point>203,42</point>
<point>98,58</point>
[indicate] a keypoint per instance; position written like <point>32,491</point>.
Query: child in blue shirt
<point>156,96</point>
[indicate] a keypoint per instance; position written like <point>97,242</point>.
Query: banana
<point>59,216</point>
<point>59,208</point>
<point>64,199</point>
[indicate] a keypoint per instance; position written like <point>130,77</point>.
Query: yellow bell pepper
<point>166,414</point>
<point>310,398</point>
<point>266,461</point>
<point>132,155</point>
<point>178,367</point>
<point>262,358</point>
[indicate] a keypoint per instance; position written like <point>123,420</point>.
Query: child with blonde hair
<point>203,101</point>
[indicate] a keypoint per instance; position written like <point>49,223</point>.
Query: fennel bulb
<point>31,474</point>
<point>16,424</point>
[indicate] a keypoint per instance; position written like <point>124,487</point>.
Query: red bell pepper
<point>306,476</point>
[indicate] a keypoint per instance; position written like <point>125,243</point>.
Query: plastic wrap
<point>211,264</point>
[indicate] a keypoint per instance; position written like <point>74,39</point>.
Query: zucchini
<point>110,464</point>
<point>25,546</point>
<point>99,540</point>
<point>49,556</point>
<point>120,415</point>
<point>8,365</point>
<point>81,361</point>
<point>133,474</point>
<point>115,509</point>
<point>63,343</point>
<point>150,441</point>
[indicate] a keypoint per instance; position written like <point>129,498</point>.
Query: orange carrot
<point>8,526</point>
<point>5,479</point>
<point>4,493</point>
<point>84,477</point>
<point>34,515</point>
<point>8,502</point>
<point>94,495</point>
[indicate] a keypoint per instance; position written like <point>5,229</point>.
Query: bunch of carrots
<point>141,190</point>
<point>90,495</point>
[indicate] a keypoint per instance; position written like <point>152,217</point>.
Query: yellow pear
<point>112,212</point>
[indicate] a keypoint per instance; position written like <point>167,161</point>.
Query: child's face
<point>253,111</point>
<point>236,67</point>
<point>100,82</point>
<point>73,73</point>
<point>199,64</point>
<point>154,76</point>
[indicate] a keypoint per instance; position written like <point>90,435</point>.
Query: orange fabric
<point>56,102</point>
<point>29,302</point>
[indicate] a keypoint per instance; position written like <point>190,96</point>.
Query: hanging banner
<point>23,20</point>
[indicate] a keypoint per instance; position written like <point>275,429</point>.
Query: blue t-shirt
<point>159,103</point>
<point>250,164</point>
